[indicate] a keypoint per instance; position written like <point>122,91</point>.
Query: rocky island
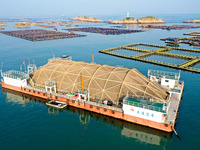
<point>127,20</point>
<point>2,25</point>
<point>143,20</point>
<point>150,20</point>
<point>192,21</point>
<point>88,19</point>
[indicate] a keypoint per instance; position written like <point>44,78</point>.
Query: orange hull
<point>96,109</point>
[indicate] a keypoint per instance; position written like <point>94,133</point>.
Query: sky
<point>43,8</point>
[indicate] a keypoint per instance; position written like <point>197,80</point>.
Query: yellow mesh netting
<point>103,81</point>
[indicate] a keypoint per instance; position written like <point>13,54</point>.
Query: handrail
<point>154,108</point>
<point>75,99</point>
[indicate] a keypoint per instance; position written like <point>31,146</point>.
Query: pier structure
<point>161,51</point>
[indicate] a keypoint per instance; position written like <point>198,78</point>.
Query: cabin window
<point>147,114</point>
<point>138,112</point>
<point>166,80</point>
<point>142,113</point>
<point>152,115</point>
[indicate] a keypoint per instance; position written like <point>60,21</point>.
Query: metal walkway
<point>173,108</point>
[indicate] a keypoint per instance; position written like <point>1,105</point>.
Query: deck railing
<point>154,108</point>
<point>75,99</point>
<point>169,75</point>
<point>19,75</point>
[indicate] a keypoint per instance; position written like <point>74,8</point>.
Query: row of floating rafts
<point>186,49</point>
<point>163,49</point>
<point>152,45</point>
<point>195,69</point>
<point>194,43</point>
<point>190,62</point>
<point>177,55</point>
<point>141,55</point>
<point>104,30</point>
<point>193,33</point>
<point>110,49</point>
<point>126,56</point>
<point>137,49</point>
<point>138,44</point>
<point>160,62</point>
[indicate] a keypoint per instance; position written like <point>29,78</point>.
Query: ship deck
<point>118,109</point>
<point>173,108</point>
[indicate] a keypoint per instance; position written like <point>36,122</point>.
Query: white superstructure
<point>15,78</point>
<point>148,108</point>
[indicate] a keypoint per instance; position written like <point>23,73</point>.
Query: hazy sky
<point>96,7</point>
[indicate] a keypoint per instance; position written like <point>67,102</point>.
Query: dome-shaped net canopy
<point>103,81</point>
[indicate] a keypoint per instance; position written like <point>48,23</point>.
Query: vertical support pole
<point>82,81</point>
<point>50,89</point>
<point>55,88</point>
<point>93,59</point>
<point>88,95</point>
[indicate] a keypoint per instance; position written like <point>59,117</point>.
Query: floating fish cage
<point>157,50</point>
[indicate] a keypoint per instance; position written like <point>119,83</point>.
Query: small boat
<point>57,104</point>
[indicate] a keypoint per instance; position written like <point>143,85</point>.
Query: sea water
<point>27,123</point>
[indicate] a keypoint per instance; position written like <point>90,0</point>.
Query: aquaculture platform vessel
<point>152,101</point>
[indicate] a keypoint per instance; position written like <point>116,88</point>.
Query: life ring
<point>73,101</point>
<point>97,108</point>
<point>91,106</point>
<point>113,112</point>
<point>105,109</point>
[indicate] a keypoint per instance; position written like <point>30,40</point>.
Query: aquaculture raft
<point>170,27</point>
<point>193,33</point>
<point>107,31</point>
<point>162,51</point>
<point>40,35</point>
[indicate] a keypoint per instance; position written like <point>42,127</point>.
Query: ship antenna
<point>82,82</point>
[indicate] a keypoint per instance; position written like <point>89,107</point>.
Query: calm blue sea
<point>27,123</point>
